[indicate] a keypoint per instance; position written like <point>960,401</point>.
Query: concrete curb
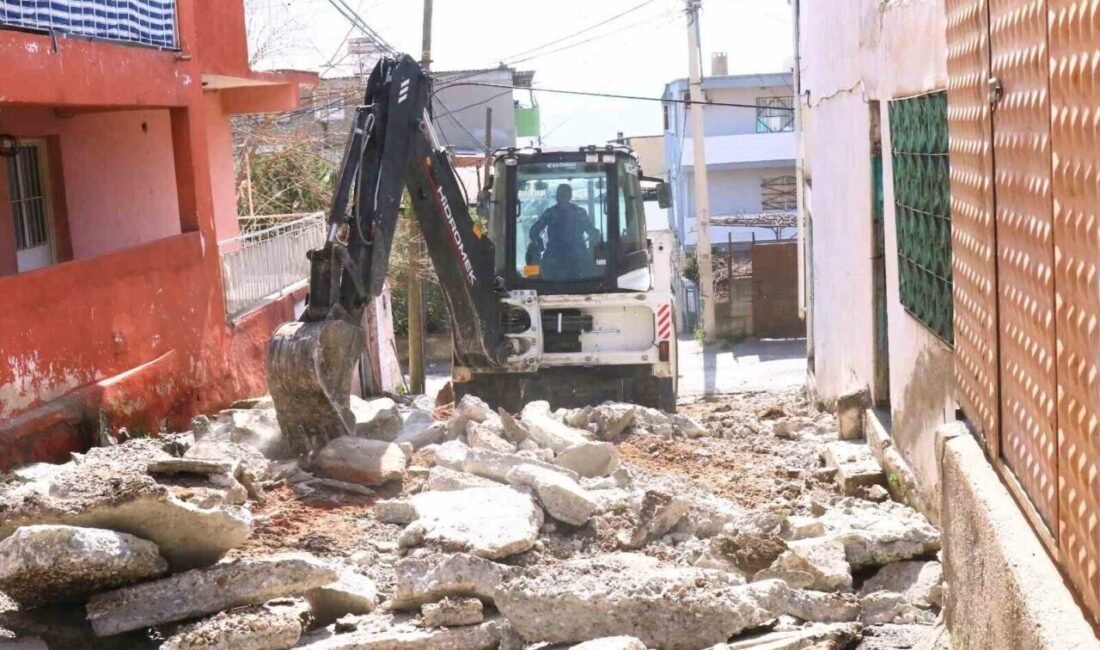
<point>1005,592</point>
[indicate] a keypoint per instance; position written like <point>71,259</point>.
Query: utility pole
<point>488,146</point>
<point>416,253</point>
<point>702,201</point>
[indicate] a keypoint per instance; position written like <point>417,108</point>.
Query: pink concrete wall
<point>117,170</point>
<point>219,136</point>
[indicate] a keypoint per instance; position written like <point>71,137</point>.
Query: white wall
<point>730,192</point>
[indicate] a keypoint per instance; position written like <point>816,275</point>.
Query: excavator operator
<point>567,256</point>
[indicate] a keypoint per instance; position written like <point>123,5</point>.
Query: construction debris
<point>613,527</point>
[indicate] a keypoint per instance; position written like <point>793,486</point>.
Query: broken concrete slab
<point>256,427</point>
<point>352,593</point>
<point>514,430</point>
<point>921,583</point>
<point>490,522</point>
<point>50,564</point>
<point>656,514</point>
<point>204,591</point>
<point>749,552</point>
<point>362,460</point>
<point>608,421</point>
<point>547,431</point>
<point>834,635</point>
<point>395,511</point>
<point>589,459</point>
<point>480,436</point>
<point>689,427</point>
<point>611,643</point>
<point>259,402</point>
<point>667,608</point>
<point>452,612</point>
<point>855,466</point>
<point>376,418</point>
<point>472,408</point>
<point>111,490</point>
<point>428,579</point>
<point>274,625</point>
<point>441,479</point>
<point>780,598</point>
<point>875,534</point>
<point>420,430</point>
<point>219,475</point>
<point>495,465</point>
<point>849,412</point>
<point>824,559</point>
<point>253,467</point>
<point>562,497</point>
<point>451,454</point>
<point>883,607</point>
<point>798,527</point>
<point>403,634</point>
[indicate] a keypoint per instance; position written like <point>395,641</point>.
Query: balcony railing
<point>263,265</point>
<point>144,22</point>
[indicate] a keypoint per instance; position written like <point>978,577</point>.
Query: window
<point>774,114</point>
<point>922,195</point>
<point>562,224</point>
<point>778,193</point>
<point>30,208</point>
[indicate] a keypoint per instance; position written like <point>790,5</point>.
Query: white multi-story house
<point>750,153</point>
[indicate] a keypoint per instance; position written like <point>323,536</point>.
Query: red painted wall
<point>222,180</point>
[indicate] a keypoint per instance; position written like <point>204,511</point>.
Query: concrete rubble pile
<point>515,531</point>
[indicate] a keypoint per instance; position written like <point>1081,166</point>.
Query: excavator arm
<point>392,148</point>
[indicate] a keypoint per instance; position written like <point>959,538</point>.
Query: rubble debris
<point>362,460</point>
<point>472,408</point>
<point>392,633</point>
<point>452,612</point>
<point>561,496</point>
<point>514,430</point>
<point>855,466</point>
<point>673,608</point>
<point>824,560</point>
<point>352,593</point>
<point>548,432</point>
<point>876,534</point>
<point>608,421</point>
<point>222,474</point>
<point>205,591</point>
<point>451,454</point>
<point>111,490</point>
<point>798,527</point>
<point>490,522</point>
<point>611,643</point>
<point>495,465</point>
<point>819,606</point>
<point>888,607</point>
<point>427,579</point>
<point>921,583</point>
<point>748,552</point>
<point>49,564</point>
<point>274,625</point>
<point>341,486</point>
<point>589,459</point>
<point>256,427</point>
<point>849,412</point>
<point>482,436</point>
<point>442,479</point>
<point>420,430</point>
<point>835,635</point>
<point>251,403</point>
<point>252,466</point>
<point>656,515</point>
<point>377,418</point>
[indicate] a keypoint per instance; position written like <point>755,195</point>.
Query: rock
<point>495,465</point>
<point>780,598</point>
<point>395,511</point>
<point>855,465</point>
<point>48,564</point>
<point>442,479</point>
<point>111,490</point>
<point>256,427</point>
<point>849,412</point>
<point>451,454</point>
<point>789,428</point>
<point>275,625</point>
<point>560,495</point>
<point>362,460</point>
<point>452,612</point>
<point>490,522</point>
<point>222,474</point>
<point>377,418</point>
<point>514,430</point>
<point>883,607</point>
<point>352,593</point>
<point>875,493</point>
<point>670,608</point>
<point>420,430</point>
<point>481,436</point>
<point>397,634</point>
<point>250,403</point>
<point>428,579</point>
<point>253,466</point>
<point>875,534</point>
<point>473,408</point>
<point>798,527</point>
<point>689,427</point>
<point>61,627</point>
<point>826,635</point>
<point>589,458</point>
<point>547,431</point>
<point>341,486</point>
<point>656,514</point>
<point>611,420</point>
<point>611,643</point>
<point>750,553</point>
<point>203,591</point>
<point>822,558</point>
<point>921,583</point>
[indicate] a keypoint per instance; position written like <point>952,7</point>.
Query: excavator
<point>553,289</point>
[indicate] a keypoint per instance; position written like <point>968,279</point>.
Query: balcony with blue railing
<point>139,22</point>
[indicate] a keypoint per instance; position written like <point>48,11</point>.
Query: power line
<point>583,31</point>
<point>614,96</point>
<point>355,19</point>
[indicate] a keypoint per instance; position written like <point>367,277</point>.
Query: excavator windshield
<point>570,222</point>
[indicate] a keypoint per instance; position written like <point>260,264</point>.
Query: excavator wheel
<point>309,370</point>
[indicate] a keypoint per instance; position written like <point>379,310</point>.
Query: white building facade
<point>750,153</point>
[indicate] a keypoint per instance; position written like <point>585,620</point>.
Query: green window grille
<point>922,196</point>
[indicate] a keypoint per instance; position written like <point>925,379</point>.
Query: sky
<point>635,54</point>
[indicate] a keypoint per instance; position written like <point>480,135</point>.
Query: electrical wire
<point>583,31</point>
<point>613,95</point>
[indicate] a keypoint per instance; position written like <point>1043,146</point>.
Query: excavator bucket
<point>309,371</point>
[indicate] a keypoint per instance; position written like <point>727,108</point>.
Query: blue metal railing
<point>143,22</point>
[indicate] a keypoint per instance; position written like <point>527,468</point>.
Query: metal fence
<point>262,265</point>
<point>145,22</point>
